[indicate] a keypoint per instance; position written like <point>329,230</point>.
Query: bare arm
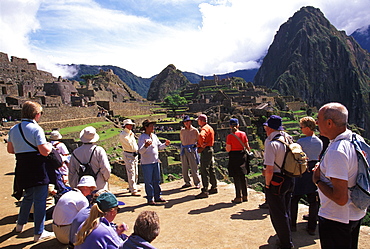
<point>45,149</point>
<point>268,172</point>
<point>228,147</point>
<point>10,148</point>
<point>338,193</point>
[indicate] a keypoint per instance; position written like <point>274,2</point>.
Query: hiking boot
<point>202,195</point>
<point>135,194</point>
<point>245,198</point>
<point>264,205</point>
<point>213,191</point>
<point>160,199</point>
<point>45,235</point>
<point>237,200</point>
<point>186,186</point>
<point>151,203</point>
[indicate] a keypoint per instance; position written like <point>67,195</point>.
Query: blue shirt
<point>32,132</point>
<point>135,241</point>
<point>312,146</point>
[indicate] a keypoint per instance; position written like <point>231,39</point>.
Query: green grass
<point>79,128</point>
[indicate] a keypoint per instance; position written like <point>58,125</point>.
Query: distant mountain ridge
<point>363,37</point>
<point>311,59</point>
<point>142,85</point>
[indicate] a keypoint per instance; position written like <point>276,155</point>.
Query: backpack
<point>85,169</point>
<point>295,160</point>
<point>360,193</point>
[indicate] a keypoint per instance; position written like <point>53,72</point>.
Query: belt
<point>130,152</point>
<point>61,225</point>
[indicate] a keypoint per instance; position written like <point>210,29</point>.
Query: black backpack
<point>85,169</point>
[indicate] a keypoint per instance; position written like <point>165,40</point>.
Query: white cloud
<point>230,34</point>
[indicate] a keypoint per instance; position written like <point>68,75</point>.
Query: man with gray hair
<point>130,155</point>
<point>339,218</point>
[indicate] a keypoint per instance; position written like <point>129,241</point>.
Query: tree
<point>173,102</point>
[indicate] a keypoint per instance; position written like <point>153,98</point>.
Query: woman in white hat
<point>55,136</point>
<point>88,150</point>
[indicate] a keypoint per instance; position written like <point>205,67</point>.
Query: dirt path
<point>185,222</point>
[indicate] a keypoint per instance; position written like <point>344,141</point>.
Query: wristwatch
<point>317,182</point>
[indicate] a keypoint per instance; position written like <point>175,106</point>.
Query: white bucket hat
<point>86,181</point>
<point>128,121</point>
<point>89,135</point>
<point>55,135</point>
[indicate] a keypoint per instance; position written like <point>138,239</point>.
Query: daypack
<point>295,160</point>
<point>360,193</point>
<point>85,169</point>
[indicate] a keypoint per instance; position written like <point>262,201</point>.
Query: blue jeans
<point>37,196</point>
<point>152,179</point>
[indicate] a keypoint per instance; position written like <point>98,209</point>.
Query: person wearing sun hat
<point>149,146</point>
<point>69,205</point>
<point>99,231</point>
<point>55,136</point>
<point>189,154</point>
<point>279,203</point>
<point>130,155</point>
<point>99,160</point>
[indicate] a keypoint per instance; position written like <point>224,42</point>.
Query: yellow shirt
<point>128,141</point>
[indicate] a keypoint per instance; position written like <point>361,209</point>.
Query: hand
<point>167,142</point>
<point>316,173</point>
<point>121,228</point>
<point>148,142</point>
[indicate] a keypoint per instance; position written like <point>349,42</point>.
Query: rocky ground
<point>185,221</point>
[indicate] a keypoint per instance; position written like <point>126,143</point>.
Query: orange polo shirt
<point>206,136</point>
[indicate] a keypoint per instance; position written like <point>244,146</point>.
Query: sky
<point>144,36</point>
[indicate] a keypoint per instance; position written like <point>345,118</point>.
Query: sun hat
<point>107,201</point>
<point>87,181</point>
<point>89,135</point>
<point>186,118</point>
<point>274,122</point>
<point>55,135</point>
<point>234,121</point>
<point>127,122</point>
<point>203,117</point>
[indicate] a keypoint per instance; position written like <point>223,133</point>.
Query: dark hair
<point>147,225</point>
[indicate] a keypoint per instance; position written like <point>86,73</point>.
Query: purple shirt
<point>104,236</point>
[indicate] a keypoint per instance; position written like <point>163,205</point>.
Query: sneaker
<point>186,186</point>
<point>19,228</point>
<point>45,235</point>
<point>135,194</point>
<point>197,186</point>
<point>202,195</point>
<point>213,191</point>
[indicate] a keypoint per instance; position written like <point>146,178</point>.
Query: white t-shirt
<point>340,161</point>
<point>274,151</point>
<point>68,206</point>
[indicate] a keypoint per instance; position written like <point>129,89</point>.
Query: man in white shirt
<point>339,218</point>
<point>130,155</point>
<point>69,205</point>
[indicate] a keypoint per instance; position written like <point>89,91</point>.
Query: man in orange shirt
<point>205,147</point>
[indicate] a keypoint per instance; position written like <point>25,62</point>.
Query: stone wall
<point>69,112</point>
<point>48,126</point>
